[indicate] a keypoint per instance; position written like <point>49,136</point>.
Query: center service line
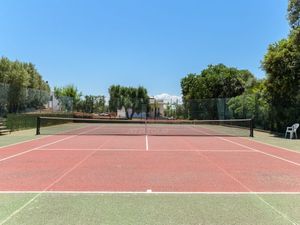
<point>147,145</point>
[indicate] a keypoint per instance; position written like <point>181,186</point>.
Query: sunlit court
<point>153,112</point>
<point>141,164</point>
<point>117,159</point>
<point>96,157</point>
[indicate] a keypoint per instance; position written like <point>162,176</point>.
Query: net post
<point>252,127</point>
<point>38,125</point>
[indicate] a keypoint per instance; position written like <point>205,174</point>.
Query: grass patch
<point>115,209</point>
<point>277,141</point>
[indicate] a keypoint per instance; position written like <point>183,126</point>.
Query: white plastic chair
<point>292,131</point>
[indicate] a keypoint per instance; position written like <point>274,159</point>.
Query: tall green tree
<point>252,104</point>
<point>68,96</point>
<point>93,104</point>
<point>217,81</point>
<point>294,13</point>
<point>225,82</point>
<point>132,99</point>
<point>201,92</point>
<point>282,65</point>
<point>24,86</point>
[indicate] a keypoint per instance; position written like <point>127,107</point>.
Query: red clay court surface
<point>95,163</point>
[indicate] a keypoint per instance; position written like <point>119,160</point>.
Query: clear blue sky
<point>95,43</point>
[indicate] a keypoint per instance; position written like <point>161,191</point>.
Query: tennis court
<point>136,159</point>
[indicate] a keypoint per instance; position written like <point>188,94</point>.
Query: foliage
<point>175,111</point>
<point>132,99</point>
<point>252,104</point>
<point>215,82</point>
<point>71,99</point>
<point>22,86</point>
<point>170,110</point>
<point>28,121</point>
<point>68,97</point>
<point>92,104</point>
<point>224,82</point>
<point>282,65</point>
<point>294,13</point>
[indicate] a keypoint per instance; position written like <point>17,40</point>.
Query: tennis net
<point>79,126</point>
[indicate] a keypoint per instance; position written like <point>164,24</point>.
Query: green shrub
<point>28,121</point>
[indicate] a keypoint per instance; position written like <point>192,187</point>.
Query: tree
<point>24,86</point>
<point>252,104</point>
<point>216,81</point>
<point>282,65</point>
<point>201,92</point>
<point>93,104</point>
<point>68,96</point>
<point>37,89</point>
<point>174,110</point>
<point>18,80</point>
<point>132,99</point>
<point>294,13</point>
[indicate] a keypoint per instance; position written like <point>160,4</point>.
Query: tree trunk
<point>127,114</point>
<point>132,113</point>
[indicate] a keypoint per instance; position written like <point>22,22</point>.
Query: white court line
<point>153,192</point>
<point>262,152</point>
<point>255,150</point>
<point>248,189</point>
<point>284,216</point>
<point>21,142</point>
<point>282,148</point>
<point>50,185</point>
<point>45,145</point>
<point>140,150</point>
<point>30,201</point>
<point>147,144</point>
<point>42,137</point>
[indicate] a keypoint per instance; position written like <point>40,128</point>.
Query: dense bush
<point>29,121</point>
<point>21,87</point>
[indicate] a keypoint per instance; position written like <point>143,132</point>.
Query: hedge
<point>17,122</point>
